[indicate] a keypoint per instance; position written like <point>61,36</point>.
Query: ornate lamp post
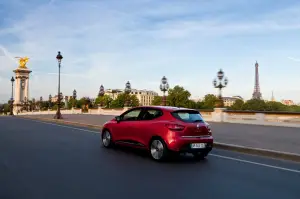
<point>12,96</point>
<point>49,100</point>
<point>41,100</point>
<point>164,86</point>
<point>101,94</point>
<point>127,92</point>
<point>74,97</point>
<point>58,115</point>
<point>220,83</point>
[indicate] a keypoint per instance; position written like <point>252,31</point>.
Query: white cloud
<point>294,59</point>
<point>109,43</point>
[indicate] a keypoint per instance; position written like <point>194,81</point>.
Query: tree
<point>157,101</point>
<point>237,105</point>
<point>209,101</point>
<point>72,102</point>
<point>120,101</point>
<point>178,97</point>
<point>105,100</point>
<point>275,106</point>
<point>255,105</point>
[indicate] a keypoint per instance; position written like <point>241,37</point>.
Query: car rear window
<point>188,116</point>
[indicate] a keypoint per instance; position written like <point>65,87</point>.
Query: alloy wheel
<point>106,138</point>
<point>157,149</point>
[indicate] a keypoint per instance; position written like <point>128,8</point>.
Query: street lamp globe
<point>59,57</point>
<point>220,74</point>
<point>226,81</point>
<point>74,94</point>
<point>50,97</point>
<point>127,87</point>
<point>12,79</point>
<point>215,82</point>
<point>164,86</point>
<point>101,91</point>
<point>164,80</point>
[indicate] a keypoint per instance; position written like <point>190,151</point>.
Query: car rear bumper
<point>183,144</point>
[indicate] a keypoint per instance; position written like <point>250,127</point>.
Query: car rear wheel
<point>158,150</point>
<point>106,139</point>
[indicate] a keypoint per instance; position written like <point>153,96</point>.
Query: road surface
<point>286,139</point>
<point>42,160</point>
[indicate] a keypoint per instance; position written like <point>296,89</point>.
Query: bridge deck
<point>286,139</point>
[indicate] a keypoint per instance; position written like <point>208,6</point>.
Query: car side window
<point>150,114</point>
<point>131,115</point>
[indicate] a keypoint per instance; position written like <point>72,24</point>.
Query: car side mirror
<point>118,119</point>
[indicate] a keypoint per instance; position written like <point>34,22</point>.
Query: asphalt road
<point>286,139</point>
<point>40,160</point>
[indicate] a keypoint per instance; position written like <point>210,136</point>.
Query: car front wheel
<point>158,150</point>
<point>106,139</point>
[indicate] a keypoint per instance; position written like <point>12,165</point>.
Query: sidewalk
<point>274,138</point>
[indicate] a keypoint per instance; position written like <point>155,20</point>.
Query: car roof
<point>166,108</point>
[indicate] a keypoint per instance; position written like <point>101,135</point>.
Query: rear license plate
<point>198,145</point>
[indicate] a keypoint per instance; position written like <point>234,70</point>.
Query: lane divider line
<point>255,163</point>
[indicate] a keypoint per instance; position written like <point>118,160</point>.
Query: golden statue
<point>22,61</point>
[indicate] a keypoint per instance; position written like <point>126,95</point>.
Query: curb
<point>218,145</point>
<point>260,152</point>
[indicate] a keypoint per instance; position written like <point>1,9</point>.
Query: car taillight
<point>209,129</point>
<point>175,127</point>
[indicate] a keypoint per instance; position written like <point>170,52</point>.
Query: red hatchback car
<point>160,130</point>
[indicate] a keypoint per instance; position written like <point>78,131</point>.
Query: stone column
<point>218,115</point>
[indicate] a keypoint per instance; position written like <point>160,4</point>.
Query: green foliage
<point>84,103</point>
<point>157,101</point>
<point>261,105</point>
<point>238,105</point>
<point>105,100</point>
<point>119,102</point>
<point>209,101</point>
<point>4,108</point>
<point>178,97</point>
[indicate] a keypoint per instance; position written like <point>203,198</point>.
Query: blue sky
<point>112,41</point>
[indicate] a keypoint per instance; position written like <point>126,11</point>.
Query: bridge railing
<point>216,115</point>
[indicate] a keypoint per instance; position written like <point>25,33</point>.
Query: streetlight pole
<point>164,87</point>
<point>50,99</point>
<point>12,96</point>
<point>127,92</point>
<point>220,82</point>
<point>41,101</point>
<point>58,115</point>
<point>101,94</point>
<point>74,97</point>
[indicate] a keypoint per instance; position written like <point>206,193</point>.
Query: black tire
<point>161,152</point>
<point>199,155</point>
<point>106,139</point>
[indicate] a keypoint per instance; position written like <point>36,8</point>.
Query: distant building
<point>113,93</point>
<point>229,101</point>
<point>288,102</point>
<point>145,97</point>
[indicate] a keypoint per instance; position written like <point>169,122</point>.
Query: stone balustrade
<point>217,115</point>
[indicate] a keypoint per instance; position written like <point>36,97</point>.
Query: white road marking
<point>256,163</point>
<point>215,155</point>
<point>69,127</point>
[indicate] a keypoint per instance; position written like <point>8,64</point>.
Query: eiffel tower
<point>256,93</point>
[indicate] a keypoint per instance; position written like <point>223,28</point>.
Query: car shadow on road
<point>172,159</point>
